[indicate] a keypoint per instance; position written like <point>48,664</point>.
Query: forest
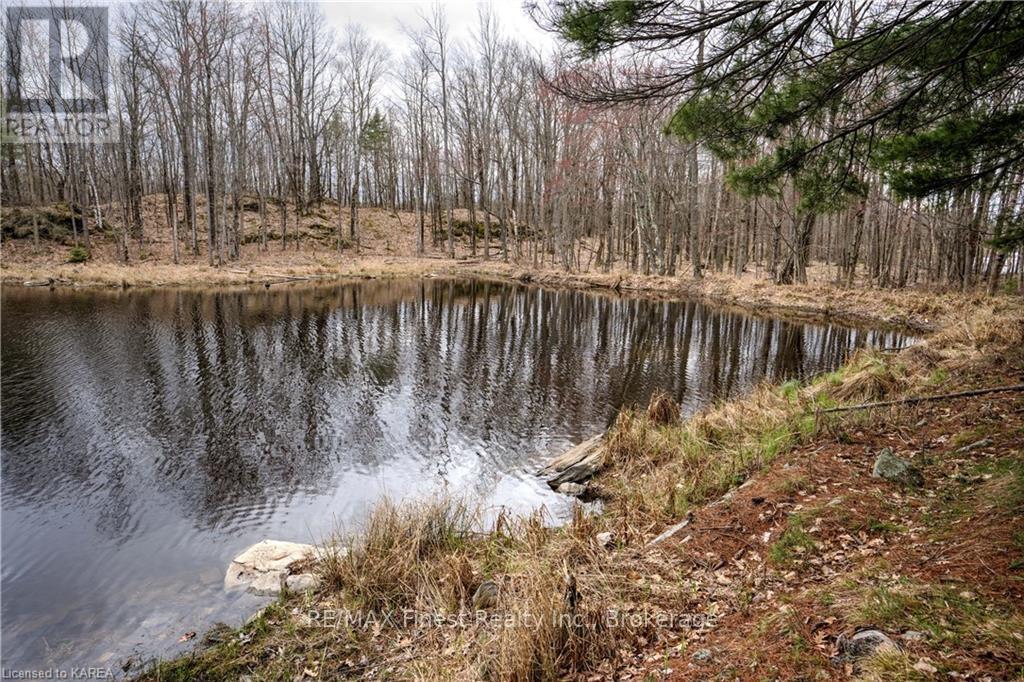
<point>571,340</point>
<point>865,141</point>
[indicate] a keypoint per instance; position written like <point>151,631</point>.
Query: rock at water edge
<point>263,567</point>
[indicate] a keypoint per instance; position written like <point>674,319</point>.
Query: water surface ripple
<point>149,436</point>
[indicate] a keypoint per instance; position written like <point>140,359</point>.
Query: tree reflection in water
<point>149,435</point>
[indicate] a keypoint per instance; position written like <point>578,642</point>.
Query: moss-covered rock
<point>896,469</point>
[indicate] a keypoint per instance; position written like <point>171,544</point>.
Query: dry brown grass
<point>662,409</point>
<point>406,557</point>
<point>426,559</point>
<point>991,325</point>
<point>869,375</point>
<point>658,471</point>
<point>411,572</point>
<point>556,627</point>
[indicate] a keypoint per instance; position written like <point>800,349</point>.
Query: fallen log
<point>283,279</point>
<point>572,455</point>
<point>581,471</point>
<point>576,464</point>
<point>927,398</point>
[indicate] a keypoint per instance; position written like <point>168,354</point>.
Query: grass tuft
<point>663,409</point>
<point>870,375</point>
<point>948,615</point>
<point>407,556</point>
<point>794,542</point>
<point>890,666</point>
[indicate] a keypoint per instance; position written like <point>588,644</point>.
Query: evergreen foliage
<point>928,95</point>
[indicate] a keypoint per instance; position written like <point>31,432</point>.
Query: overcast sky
<point>384,20</point>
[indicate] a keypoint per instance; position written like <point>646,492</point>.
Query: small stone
<point>866,643</point>
<point>301,582</point>
<point>895,469</point>
<point>923,666</point>
<point>486,596</point>
<point>573,489</point>
<point>702,655</point>
<point>605,539</point>
<point>914,636</point>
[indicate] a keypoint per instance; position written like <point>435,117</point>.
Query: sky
<point>385,19</point>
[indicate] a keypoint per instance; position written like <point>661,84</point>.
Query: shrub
<point>78,255</point>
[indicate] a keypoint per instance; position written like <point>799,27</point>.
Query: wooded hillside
<point>664,138</point>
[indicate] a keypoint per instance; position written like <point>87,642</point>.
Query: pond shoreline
<point>736,465</point>
<point>610,541</point>
<point>580,354</point>
<point>907,309</point>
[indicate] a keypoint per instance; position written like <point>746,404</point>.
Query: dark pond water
<point>148,437</point>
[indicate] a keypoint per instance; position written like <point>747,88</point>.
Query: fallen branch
<point>927,398</point>
<point>671,530</point>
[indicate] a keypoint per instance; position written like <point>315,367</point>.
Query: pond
<point>149,436</point>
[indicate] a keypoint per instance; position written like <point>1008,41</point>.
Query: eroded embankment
<point>806,547</point>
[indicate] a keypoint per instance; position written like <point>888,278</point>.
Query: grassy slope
<point>810,548</point>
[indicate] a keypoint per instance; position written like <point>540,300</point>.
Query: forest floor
<point>789,546</point>
<point>388,249</point>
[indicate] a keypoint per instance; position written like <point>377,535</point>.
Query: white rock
<point>268,583</point>
<point>302,582</point>
<point>262,567</point>
<point>573,489</point>
<point>605,539</point>
<point>923,666</point>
